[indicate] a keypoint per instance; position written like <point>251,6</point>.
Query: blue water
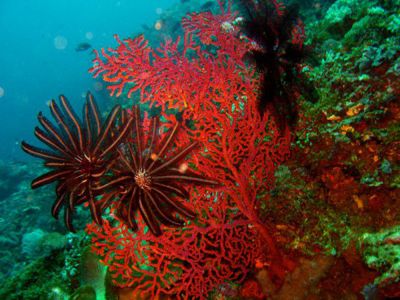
<point>38,60</point>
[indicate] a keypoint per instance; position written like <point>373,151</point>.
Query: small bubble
<point>158,25</point>
<point>98,86</point>
<point>1,92</point>
<point>60,42</point>
<point>159,11</point>
<point>89,35</point>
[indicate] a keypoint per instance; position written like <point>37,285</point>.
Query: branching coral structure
<point>204,81</point>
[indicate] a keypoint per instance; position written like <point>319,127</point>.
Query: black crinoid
<point>115,163</point>
<point>278,57</point>
<point>149,177</point>
<point>81,152</point>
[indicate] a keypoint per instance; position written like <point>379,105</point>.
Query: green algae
<point>381,251</point>
<point>38,280</point>
<point>354,70</point>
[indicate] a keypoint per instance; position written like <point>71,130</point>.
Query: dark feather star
<point>148,178</point>
<point>278,58</point>
<point>114,164</point>
<point>81,153</point>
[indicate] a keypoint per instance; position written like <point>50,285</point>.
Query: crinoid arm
<point>80,153</point>
<point>148,178</point>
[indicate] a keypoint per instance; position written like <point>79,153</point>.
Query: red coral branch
<point>128,63</point>
<point>187,263</point>
<point>216,94</point>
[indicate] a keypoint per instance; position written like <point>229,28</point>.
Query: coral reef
<point>321,223</point>
<point>40,244</point>
<point>342,177</point>
<point>343,173</point>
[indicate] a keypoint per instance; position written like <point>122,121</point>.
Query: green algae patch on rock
<point>381,251</point>
<point>38,280</point>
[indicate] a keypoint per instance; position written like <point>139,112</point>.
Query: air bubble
<point>60,42</point>
<point>89,35</point>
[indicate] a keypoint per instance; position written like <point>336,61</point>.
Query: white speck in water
<point>158,25</point>
<point>60,42</point>
<point>89,35</point>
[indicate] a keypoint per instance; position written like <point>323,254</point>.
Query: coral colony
<point>175,199</point>
<point>189,187</point>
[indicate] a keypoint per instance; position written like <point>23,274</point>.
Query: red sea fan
<point>188,263</point>
<point>242,156</point>
<point>130,62</point>
<point>216,93</point>
<point>165,76</point>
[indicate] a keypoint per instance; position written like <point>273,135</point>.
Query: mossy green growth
<point>381,251</point>
<point>294,202</point>
<point>39,280</point>
<point>330,232</point>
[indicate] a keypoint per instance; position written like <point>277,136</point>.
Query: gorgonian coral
<point>187,263</point>
<point>206,79</point>
<point>207,82</point>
